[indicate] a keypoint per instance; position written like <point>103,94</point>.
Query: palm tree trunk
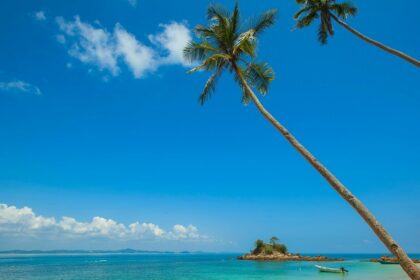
<point>376,43</point>
<point>406,263</point>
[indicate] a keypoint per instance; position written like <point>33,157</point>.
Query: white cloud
<point>173,39</point>
<point>94,45</point>
<point>138,57</point>
<point>145,229</point>
<point>19,86</point>
<point>97,227</point>
<point>133,2</point>
<point>22,219</point>
<point>23,222</point>
<point>40,15</point>
<point>183,232</point>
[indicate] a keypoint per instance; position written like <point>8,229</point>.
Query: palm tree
<point>226,45</point>
<point>273,240</point>
<point>339,12</point>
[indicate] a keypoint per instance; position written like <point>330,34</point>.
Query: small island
<point>390,260</point>
<point>275,251</point>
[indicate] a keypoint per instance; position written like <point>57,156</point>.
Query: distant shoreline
<point>73,252</point>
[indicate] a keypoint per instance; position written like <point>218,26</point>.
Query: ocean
<point>181,267</point>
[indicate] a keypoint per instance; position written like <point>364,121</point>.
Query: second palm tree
<point>326,10</point>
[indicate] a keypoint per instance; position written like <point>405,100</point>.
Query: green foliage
<point>260,76</point>
<point>269,248</point>
<point>325,10</point>
<point>264,21</point>
<point>344,10</point>
<point>209,86</point>
<point>198,51</point>
<point>281,248</point>
<point>225,45</point>
<point>259,246</point>
<point>285,250</point>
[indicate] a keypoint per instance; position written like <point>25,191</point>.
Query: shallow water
<point>181,267</point>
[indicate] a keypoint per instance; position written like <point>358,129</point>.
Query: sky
<point>103,144</point>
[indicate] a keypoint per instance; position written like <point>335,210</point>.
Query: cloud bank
<point>23,222</point>
<point>19,86</point>
<point>109,51</point>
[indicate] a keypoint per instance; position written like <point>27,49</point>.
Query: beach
<point>182,266</point>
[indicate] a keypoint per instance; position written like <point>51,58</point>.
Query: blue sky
<point>117,132</point>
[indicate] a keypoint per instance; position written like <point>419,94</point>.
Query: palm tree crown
<point>274,239</point>
<point>228,43</point>
<point>323,9</point>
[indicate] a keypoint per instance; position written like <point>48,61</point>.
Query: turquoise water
<point>180,266</point>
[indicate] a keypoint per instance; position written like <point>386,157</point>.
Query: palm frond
<point>246,97</point>
<point>344,10</point>
<point>264,21</point>
<point>210,86</point>
<point>204,32</point>
<point>235,19</point>
<point>310,3</point>
<point>326,21</point>
<point>301,12</point>
<point>259,75</point>
<point>199,51</point>
<point>245,43</point>
<point>220,21</point>
<point>322,34</point>
<point>248,47</point>
<point>217,11</point>
<point>212,63</point>
<point>307,20</point>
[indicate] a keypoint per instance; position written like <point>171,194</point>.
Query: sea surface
<point>182,266</point>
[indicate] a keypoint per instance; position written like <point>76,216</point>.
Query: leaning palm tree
<point>230,44</point>
<point>328,10</point>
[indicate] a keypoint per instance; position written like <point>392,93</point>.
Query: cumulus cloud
<point>23,222</point>
<point>97,227</point>
<point>19,86</point>
<point>138,57</point>
<point>22,218</point>
<point>40,15</point>
<point>92,45</point>
<point>185,232</point>
<point>108,51</point>
<point>173,39</point>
